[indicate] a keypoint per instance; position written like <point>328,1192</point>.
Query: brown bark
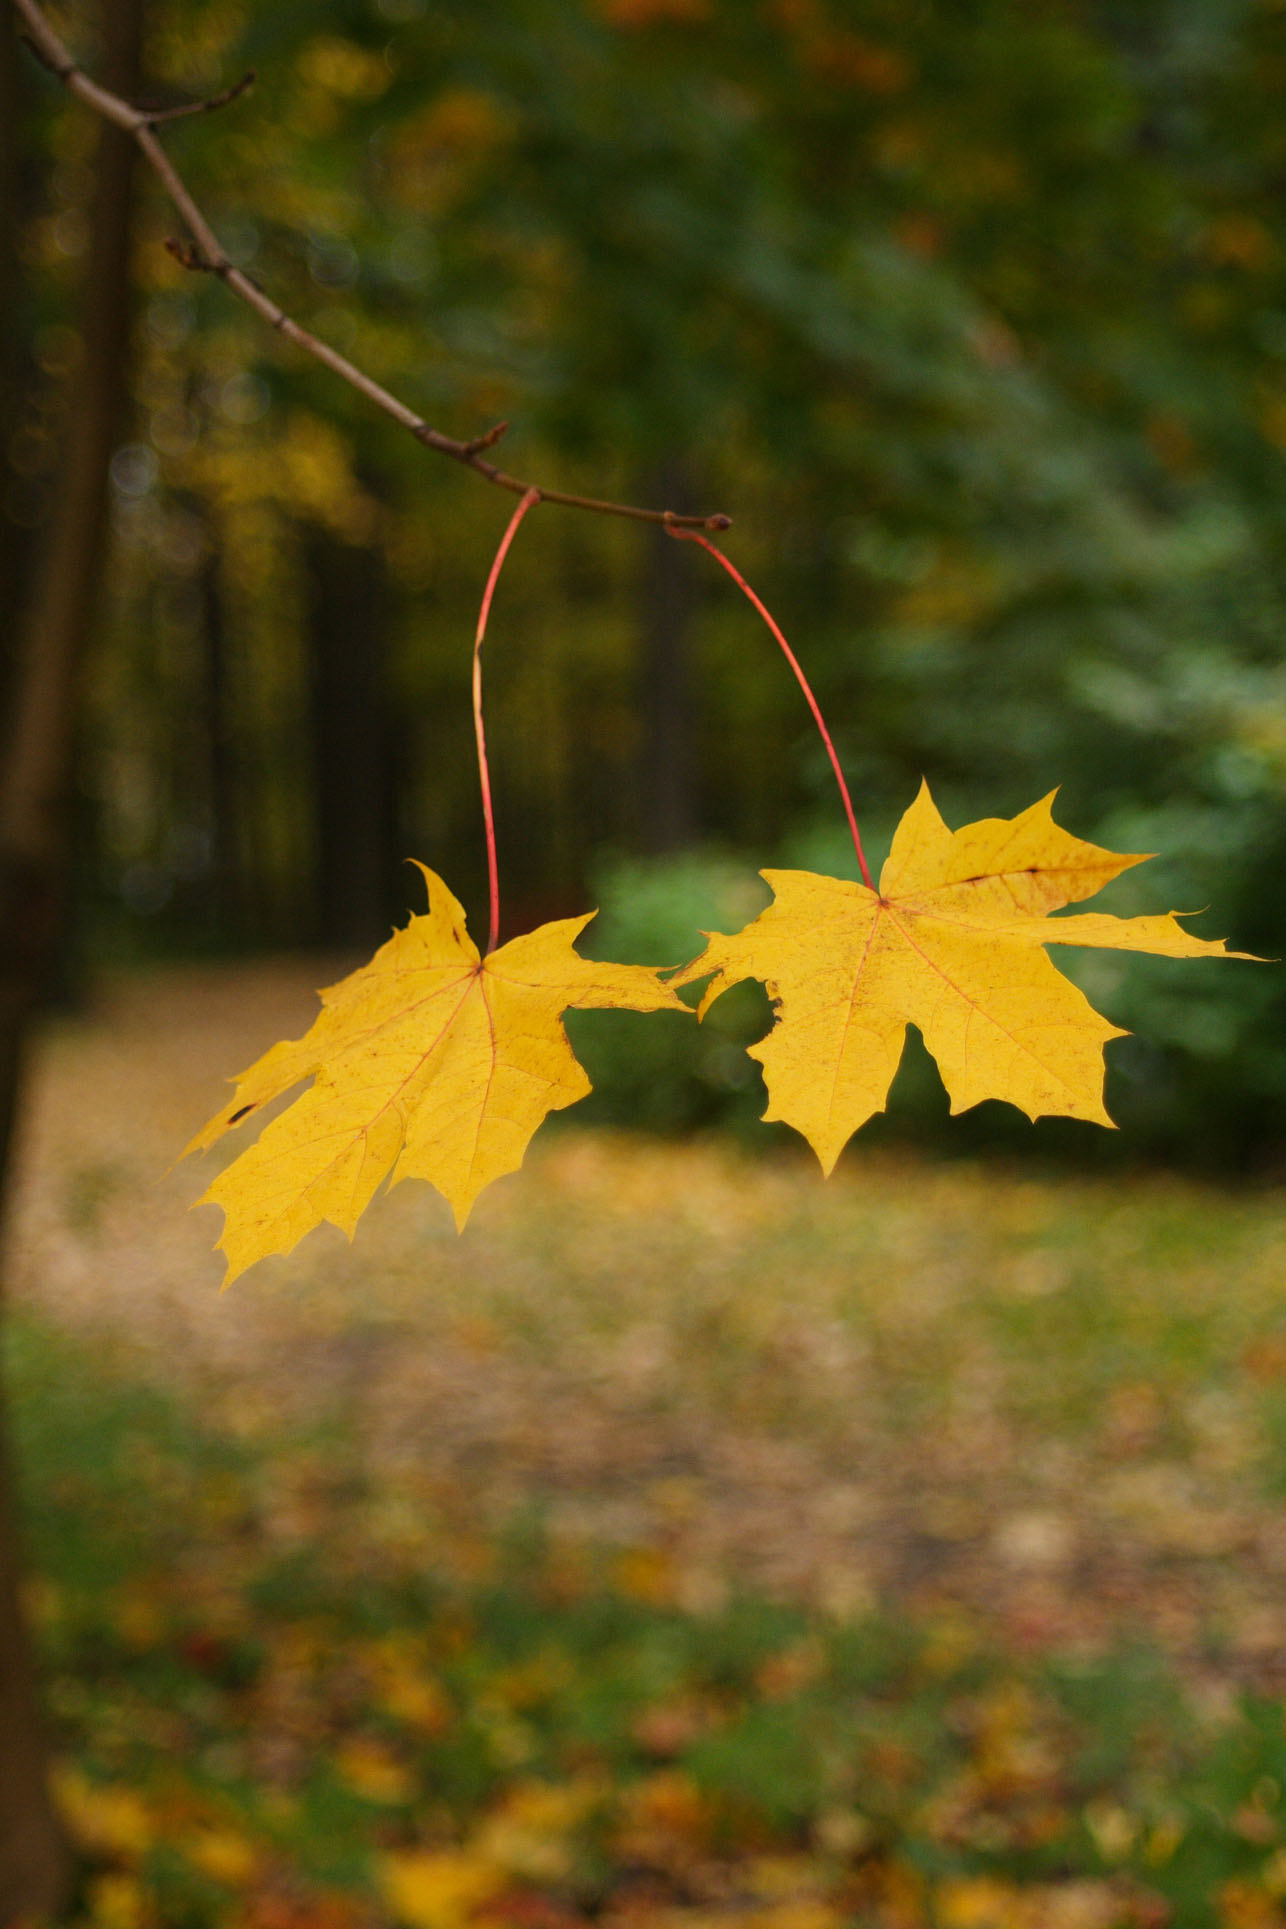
<point>35,775</point>
<point>35,1867</point>
<point>35,789</point>
<point>11,535</point>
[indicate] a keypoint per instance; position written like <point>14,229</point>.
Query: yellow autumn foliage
<point>430,1062</point>
<point>952,942</point>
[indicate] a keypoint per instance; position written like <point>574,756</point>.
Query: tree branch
<point>229,94</point>
<point>205,253</point>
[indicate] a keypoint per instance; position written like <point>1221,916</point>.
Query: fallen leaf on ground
<point>225,1855</point>
<point>437,1889</point>
<point>105,1817</point>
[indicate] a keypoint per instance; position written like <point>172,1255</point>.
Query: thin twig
<point>156,116</point>
<point>206,253</point>
<point>187,254</point>
<point>46,59</point>
<point>489,440</point>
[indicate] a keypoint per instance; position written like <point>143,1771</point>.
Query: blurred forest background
<point>692,1544</point>
<point>972,315</point>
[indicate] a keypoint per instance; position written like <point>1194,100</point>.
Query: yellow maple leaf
<point>952,942</point>
<point>430,1062</point>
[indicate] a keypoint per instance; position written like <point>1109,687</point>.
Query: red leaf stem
<point>690,536</point>
<point>484,772</point>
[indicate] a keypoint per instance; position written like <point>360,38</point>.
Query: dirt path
<point>1059,1408</point>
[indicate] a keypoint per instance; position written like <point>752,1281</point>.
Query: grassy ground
<point>692,1543</point>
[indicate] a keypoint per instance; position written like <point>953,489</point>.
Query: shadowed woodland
<point>692,1543</point>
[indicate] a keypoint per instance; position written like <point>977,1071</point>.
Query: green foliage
<point>671,1076</point>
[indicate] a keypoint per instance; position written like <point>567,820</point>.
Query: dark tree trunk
<point>12,535</point>
<point>232,895</point>
<point>35,1867</point>
<point>667,783</point>
<point>354,778</point>
<point>35,791</point>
